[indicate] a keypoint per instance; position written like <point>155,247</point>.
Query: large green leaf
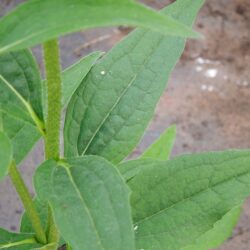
<point>90,202</point>
<point>178,203</point>
<point>13,241</point>
<point>112,107</point>
<point>42,20</point>
<point>162,147</point>
<point>6,154</point>
<point>20,92</point>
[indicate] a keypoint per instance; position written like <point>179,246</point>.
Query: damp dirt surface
<point>208,95</point>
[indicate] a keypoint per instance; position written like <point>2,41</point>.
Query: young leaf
<point>20,95</point>
<point>72,77</point>
<point>44,20</point>
<point>162,147</point>
<point>171,216</point>
<point>13,241</point>
<point>90,202</point>
<point>5,154</point>
<point>110,110</point>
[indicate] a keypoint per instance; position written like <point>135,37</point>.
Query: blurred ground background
<point>208,96</point>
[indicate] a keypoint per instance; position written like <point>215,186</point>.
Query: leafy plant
<point>90,197</point>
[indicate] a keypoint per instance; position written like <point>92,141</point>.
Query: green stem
<point>28,203</point>
<point>52,138</point>
<point>52,232</point>
<point>53,75</point>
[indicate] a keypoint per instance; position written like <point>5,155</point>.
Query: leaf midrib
<point>85,207</point>
<point>132,81</point>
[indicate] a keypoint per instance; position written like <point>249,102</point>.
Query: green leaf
<point>6,154</point>
<point>74,15</point>
<point>23,136</point>
<point>162,147</point>
<point>72,77</point>
<point>13,241</point>
<point>20,96</point>
<point>180,202</point>
<point>90,202</point>
<point>221,230</point>
<point>110,110</point>
<point>20,70</point>
<point>16,112</point>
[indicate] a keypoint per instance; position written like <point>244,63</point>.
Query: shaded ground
<point>208,95</point>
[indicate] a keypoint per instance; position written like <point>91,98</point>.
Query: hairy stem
<point>53,75</point>
<point>52,138</point>
<point>28,203</point>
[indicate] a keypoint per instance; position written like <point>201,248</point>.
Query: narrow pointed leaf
<point>171,216</point>
<point>14,241</point>
<point>110,110</point>
<point>6,154</point>
<point>42,20</point>
<point>20,70</point>
<point>90,202</point>
<point>162,147</point>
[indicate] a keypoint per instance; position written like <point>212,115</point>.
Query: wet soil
<point>208,96</point>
